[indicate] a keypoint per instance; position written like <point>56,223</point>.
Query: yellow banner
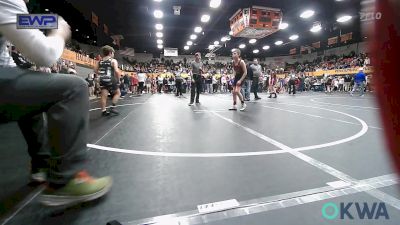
<point>78,58</point>
<point>339,72</point>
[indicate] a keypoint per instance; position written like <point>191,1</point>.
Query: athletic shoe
<point>234,108</point>
<point>191,104</point>
<point>105,113</point>
<point>258,98</point>
<point>114,111</point>
<point>198,103</point>
<point>82,188</point>
<point>39,175</point>
<point>243,107</point>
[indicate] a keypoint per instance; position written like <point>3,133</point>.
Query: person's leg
<point>64,99</point>
<point>354,88</point>
<point>115,98</point>
<point>294,88</point>
<point>179,88</point>
<point>142,87</point>
<point>255,87</point>
<point>34,130</point>
<point>242,88</point>
<point>248,88</point>
<point>198,90</point>
<point>234,96</point>
<point>103,100</point>
<point>241,98</point>
<point>192,92</point>
<point>362,88</point>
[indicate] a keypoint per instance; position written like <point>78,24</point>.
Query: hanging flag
<point>316,44</point>
<point>303,49</point>
<point>95,19</point>
<point>117,39</point>
<point>333,40</point>
<point>346,37</point>
<point>105,28</point>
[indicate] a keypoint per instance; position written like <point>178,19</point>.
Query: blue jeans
<point>246,87</point>
<point>358,85</point>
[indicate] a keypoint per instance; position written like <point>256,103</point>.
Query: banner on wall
<point>316,44</point>
<point>117,39</point>
<point>346,37</point>
<point>78,58</point>
<point>95,19</point>
<point>105,28</point>
<point>333,40</point>
<point>171,52</point>
<point>339,72</point>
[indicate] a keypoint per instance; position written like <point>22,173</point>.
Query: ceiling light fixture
<point>283,26</point>
<point>160,46</point>
<point>159,26</point>
<point>216,42</point>
<point>252,41</point>
<point>344,19</point>
<point>215,3</point>
<point>193,37</point>
<point>266,47</point>
<point>255,51</point>
<point>158,14</point>
<point>294,37</point>
<point>186,47</point>
<point>205,18</point>
<point>189,43</point>
<point>159,35</point>
<point>242,46</point>
<point>316,28</point>
<point>198,29</point>
<point>279,43</point>
<point>159,41</point>
<point>307,14</point>
<point>223,39</point>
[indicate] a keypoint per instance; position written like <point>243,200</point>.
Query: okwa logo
<point>351,210</point>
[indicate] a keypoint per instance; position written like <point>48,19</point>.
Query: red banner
<point>95,19</point>
<point>333,40</point>
<point>346,37</point>
<point>316,44</point>
<point>105,28</point>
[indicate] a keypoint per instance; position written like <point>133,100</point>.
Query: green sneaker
<point>82,188</point>
<point>39,176</point>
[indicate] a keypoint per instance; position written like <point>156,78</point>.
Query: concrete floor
<point>167,158</point>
